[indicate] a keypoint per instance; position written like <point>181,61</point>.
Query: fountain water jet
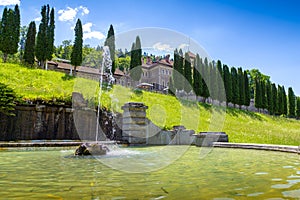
<point>100,148</point>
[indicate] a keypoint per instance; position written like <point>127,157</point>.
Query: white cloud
<point>182,46</point>
<point>162,47</point>
<point>69,14</point>
<point>9,2</point>
<point>94,34</point>
<point>87,27</point>
<point>85,10</point>
<point>89,34</point>
<point>38,19</point>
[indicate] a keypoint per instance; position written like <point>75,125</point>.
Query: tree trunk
<point>5,57</point>
<point>74,72</point>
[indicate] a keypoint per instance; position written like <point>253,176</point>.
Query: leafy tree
<point>227,83</point>
<point>123,63</point>
<point>45,37</point>
<point>187,73</point>
<point>291,103</point>
<point>110,42</point>
<point>10,32</point>
<point>256,74</point>
<point>7,98</point>
<point>30,44</point>
<point>76,56</point>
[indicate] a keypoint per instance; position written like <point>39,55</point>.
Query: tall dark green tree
<point>187,73</point>
<point>291,102</point>
<point>241,85</point>
<point>274,99</point>
<point>136,60</point>
<point>205,79</point>
<point>220,82</point>
<point>247,89</point>
<point>197,79</point>
<point>284,101</point>
<point>258,94</point>
<point>227,83</point>
<point>298,107</point>
<point>180,69</point>
<point>29,48</point>
<point>280,101</point>
<point>264,101</point>
<point>10,31</point>
<point>76,56</point>
<point>45,37</point>
<point>235,86</point>
<point>171,88</point>
<point>177,72</point>
<point>110,42</point>
<point>269,96</point>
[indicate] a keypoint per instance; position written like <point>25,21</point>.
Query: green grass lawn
<point>164,110</point>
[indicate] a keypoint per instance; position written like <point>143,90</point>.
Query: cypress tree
<point>76,56</point>
<point>284,101</point>
<point>50,34</point>
<point>171,89</point>
<point>235,86</point>
<point>269,97</point>
<point>10,32</point>
<point>45,37</point>
<point>16,30</point>
<point>197,79</point>
<point>205,79</point>
<point>110,42</point>
<point>258,95</point>
<point>220,82</point>
<point>241,85</point>
<point>298,108</point>
<point>30,44</point>
<point>180,69</point>
<point>263,94</point>
<point>274,99</point>
<point>132,56</point>
<point>227,83</point>
<point>187,73</point>
<point>136,60</point>
<point>291,103</point>
<point>279,100</point>
<point>247,89</point>
<point>175,74</point>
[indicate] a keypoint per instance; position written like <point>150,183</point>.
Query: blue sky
<point>263,34</point>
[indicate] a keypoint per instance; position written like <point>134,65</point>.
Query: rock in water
<point>91,149</point>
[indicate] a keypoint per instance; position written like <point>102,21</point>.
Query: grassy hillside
<point>164,110</point>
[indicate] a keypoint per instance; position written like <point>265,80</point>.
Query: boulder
<point>91,149</point>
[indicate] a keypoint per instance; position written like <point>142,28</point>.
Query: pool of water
<point>221,174</point>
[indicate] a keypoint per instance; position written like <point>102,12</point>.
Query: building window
<point>146,74</point>
<point>163,71</point>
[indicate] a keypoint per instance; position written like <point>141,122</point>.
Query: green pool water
<point>221,174</point>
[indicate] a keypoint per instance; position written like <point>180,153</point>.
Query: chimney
<point>168,58</point>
